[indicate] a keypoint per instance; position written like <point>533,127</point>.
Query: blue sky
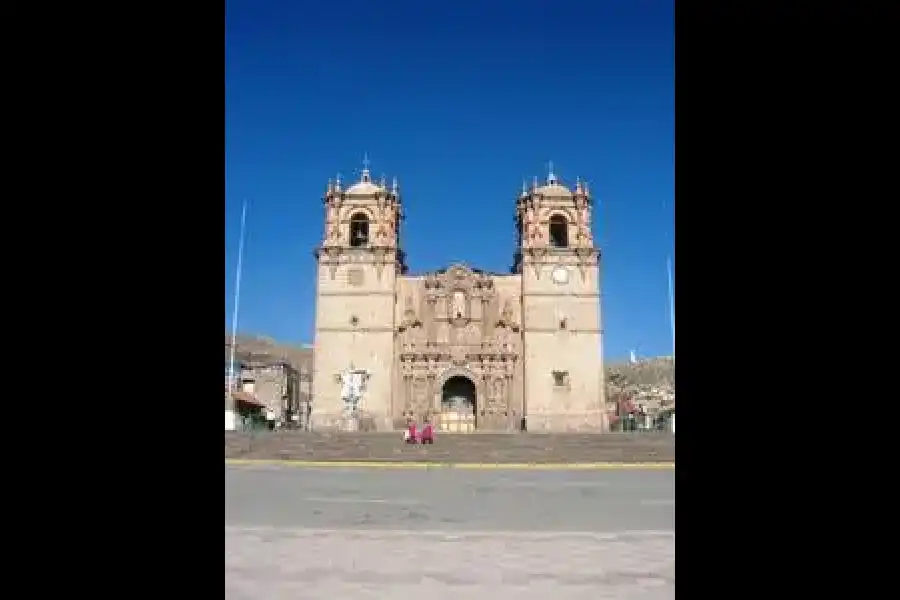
<point>460,101</point>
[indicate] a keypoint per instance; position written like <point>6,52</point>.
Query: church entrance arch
<point>459,403</point>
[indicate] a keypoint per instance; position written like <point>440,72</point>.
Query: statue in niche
<point>502,337</point>
<point>507,316</point>
<point>353,385</point>
<point>458,305</point>
<point>498,390</point>
<point>409,320</point>
<point>410,313</point>
<point>415,337</point>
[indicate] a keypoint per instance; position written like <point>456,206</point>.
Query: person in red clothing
<point>427,435</point>
<point>411,436</point>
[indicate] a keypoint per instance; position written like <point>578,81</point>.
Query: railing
<point>633,423</point>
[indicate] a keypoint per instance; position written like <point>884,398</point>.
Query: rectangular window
<point>560,379</point>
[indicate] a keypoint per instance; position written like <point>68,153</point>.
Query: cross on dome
<point>365,171</point>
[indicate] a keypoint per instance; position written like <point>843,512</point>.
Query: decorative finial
<point>337,183</point>
<point>584,185</point>
<point>551,176</point>
<point>578,189</point>
<point>524,187</point>
<point>365,172</point>
<point>382,182</point>
<point>395,186</point>
<point>534,183</point>
<point>330,187</point>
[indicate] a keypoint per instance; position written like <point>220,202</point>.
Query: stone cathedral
<point>466,349</point>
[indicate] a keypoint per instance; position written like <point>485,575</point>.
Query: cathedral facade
<point>465,349</point>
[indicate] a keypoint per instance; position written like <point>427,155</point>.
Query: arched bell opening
<point>559,232</point>
<point>359,230</point>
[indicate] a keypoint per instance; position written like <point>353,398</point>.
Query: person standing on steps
<point>411,436</point>
<point>427,435</point>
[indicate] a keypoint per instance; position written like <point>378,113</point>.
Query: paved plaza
<point>370,533</point>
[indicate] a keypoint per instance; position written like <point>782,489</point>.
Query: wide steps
<point>454,448</point>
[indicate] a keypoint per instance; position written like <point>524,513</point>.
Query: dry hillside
<point>649,382</point>
<point>250,348</point>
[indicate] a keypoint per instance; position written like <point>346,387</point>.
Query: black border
<point>116,147</point>
<point>724,252</point>
<point>771,118</point>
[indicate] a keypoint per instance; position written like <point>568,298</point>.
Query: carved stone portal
<point>465,330</point>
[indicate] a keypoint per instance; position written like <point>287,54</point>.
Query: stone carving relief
<point>459,306</point>
<point>383,211</point>
<point>534,210</point>
<point>463,324</point>
<point>332,231</point>
<point>584,232</point>
<point>534,233</point>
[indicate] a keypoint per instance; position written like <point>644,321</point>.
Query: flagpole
<point>230,424</point>
<point>671,303</point>
<point>671,285</point>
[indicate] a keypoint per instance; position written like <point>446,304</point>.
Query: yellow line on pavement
<point>367,464</point>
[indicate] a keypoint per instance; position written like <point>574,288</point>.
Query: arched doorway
<point>459,398</point>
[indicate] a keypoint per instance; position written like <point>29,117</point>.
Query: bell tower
<point>359,260</point>
<point>562,334</point>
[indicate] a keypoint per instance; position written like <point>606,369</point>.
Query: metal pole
<point>671,304</point>
<point>234,317</point>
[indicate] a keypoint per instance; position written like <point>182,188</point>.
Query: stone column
<point>428,406</point>
<point>507,402</point>
<point>407,392</point>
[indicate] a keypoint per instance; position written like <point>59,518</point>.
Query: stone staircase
<point>449,448</point>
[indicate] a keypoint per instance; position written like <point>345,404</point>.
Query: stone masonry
<point>465,348</point>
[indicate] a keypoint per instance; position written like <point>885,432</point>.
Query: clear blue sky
<point>460,100</point>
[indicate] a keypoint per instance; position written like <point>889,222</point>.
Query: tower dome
<point>553,187</point>
<point>365,186</point>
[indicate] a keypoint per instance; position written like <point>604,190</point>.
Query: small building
<point>275,386</point>
<point>248,410</point>
<point>278,378</point>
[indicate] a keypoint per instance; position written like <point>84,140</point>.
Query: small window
<point>559,232</point>
<point>359,230</point>
<point>563,324</point>
<point>560,379</point>
<point>354,320</point>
